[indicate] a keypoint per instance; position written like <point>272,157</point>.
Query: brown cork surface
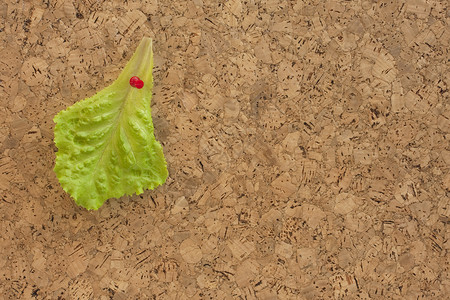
<point>307,144</point>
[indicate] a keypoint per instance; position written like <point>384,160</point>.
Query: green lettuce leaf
<point>106,145</point>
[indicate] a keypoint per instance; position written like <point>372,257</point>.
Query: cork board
<point>307,146</point>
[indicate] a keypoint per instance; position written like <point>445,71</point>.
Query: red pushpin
<point>136,82</point>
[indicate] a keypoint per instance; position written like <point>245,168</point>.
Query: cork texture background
<point>307,144</point>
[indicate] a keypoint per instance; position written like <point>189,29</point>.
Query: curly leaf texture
<point>106,143</point>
